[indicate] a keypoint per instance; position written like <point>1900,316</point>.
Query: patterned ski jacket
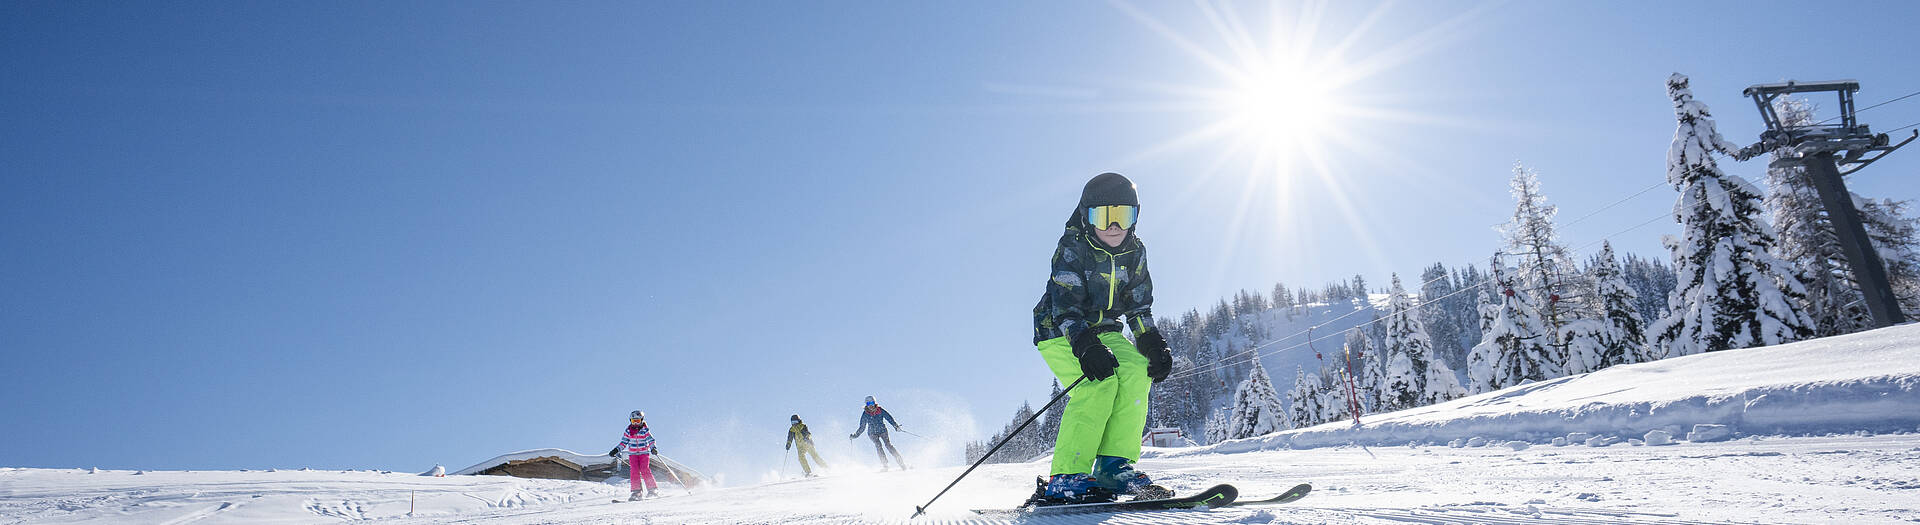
<point>638,440</point>
<point>870,421</point>
<point>1093,286</point>
<point>798,432</point>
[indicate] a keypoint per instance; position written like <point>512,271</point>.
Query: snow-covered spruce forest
<point>1749,268</point>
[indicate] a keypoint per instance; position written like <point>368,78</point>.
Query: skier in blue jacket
<point>874,421</point>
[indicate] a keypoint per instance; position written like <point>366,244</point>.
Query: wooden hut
<point>556,463</point>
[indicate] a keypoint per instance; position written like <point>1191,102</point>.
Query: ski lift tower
<point>1824,148</point>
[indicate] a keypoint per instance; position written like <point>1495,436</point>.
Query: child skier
<point>798,433</point>
<point>640,449</point>
<point>871,418</point>
<point>1100,275</point>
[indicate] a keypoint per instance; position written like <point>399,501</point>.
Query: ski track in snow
<point>1847,388</point>
<point>1832,479</point>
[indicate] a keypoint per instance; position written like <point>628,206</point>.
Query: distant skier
<point>640,448</point>
<point>873,420</point>
<point>1099,276</point>
<point>798,434</point>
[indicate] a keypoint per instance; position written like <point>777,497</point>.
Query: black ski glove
<point>853,435</point>
<point>1159,360</point>
<point>1096,361</point>
<point>615,452</point>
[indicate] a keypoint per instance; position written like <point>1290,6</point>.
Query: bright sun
<point>1293,98</point>
<point>1278,109</point>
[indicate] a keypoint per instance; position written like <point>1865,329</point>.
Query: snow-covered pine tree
<point>1443,384</point>
<point>1367,369</point>
<point>1407,349</point>
<point>1439,382</point>
<point>1547,273</point>
<point>1806,238</point>
<point>1896,236</point>
<point>1488,308</point>
<point>1626,331</point>
<point>1436,285</point>
<point>1333,393</point>
<point>1583,341</point>
<point>1305,398</point>
<point>1653,281</point>
<point>1466,307</point>
<point>1514,346</point>
<point>1399,384</point>
<point>1019,447</point>
<point>1050,423</point>
<point>1337,292</point>
<point>1732,293</point>
<point>1217,424</point>
<point>1257,409</point>
<point>1027,443</point>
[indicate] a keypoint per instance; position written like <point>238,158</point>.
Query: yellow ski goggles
<point>1101,216</point>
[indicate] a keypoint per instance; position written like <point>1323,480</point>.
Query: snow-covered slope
<point>1284,343</point>
<point>268,496</point>
<point>1849,402</point>
<point>1863,381</point>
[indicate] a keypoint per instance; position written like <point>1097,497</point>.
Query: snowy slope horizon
<point>1857,382</point>
<point>1852,401</point>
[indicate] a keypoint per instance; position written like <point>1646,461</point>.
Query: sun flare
<point>1295,100</point>
<point>1278,109</point>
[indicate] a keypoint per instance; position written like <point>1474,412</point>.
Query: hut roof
<point>584,462</point>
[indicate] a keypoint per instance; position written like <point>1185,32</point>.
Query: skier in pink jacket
<point>640,449</point>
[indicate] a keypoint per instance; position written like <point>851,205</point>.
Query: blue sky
<point>376,235</point>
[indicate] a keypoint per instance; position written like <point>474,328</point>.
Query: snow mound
<point>1868,381</point>
<point>1659,437</point>
<point>1703,433</point>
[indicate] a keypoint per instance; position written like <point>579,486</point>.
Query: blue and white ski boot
<point>1116,474</point>
<point>1067,489</point>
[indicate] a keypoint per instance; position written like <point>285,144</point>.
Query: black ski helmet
<point>794,418</point>
<point>1107,189</point>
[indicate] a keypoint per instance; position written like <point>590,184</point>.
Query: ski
<point>1218,496</point>
<point>1290,496</point>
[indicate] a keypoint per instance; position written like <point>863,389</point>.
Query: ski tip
<point>1227,491</point>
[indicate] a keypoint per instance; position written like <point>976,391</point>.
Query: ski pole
<point>904,431</point>
<point>676,479</point>
<point>917,511</point>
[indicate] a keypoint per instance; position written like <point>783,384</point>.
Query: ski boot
<point>1067,489</point>
<point>1117,475</point>
<point>637,495</point>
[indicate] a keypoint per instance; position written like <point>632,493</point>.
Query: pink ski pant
<point>641,468</point>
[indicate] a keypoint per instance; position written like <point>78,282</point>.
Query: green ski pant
<point>806,448</point>
<point>1103,418</point>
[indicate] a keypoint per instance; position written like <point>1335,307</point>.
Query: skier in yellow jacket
<point>798,434</point>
